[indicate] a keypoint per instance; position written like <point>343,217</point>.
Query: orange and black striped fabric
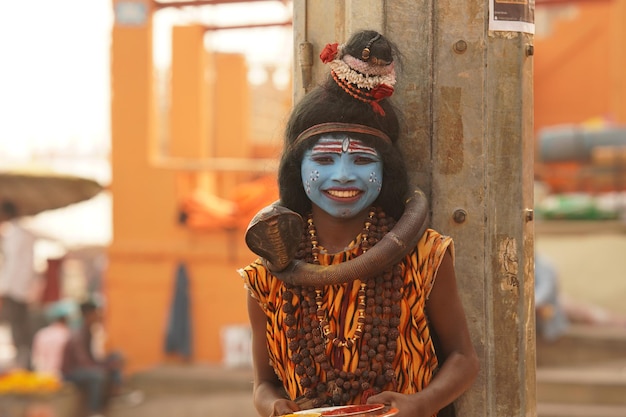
<point>415,361</point>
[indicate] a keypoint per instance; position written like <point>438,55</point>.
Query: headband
<point>334,127</point>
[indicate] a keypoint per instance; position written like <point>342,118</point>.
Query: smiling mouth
<point>343,193</point>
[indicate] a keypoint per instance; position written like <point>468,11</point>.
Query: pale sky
<point>54,75</point>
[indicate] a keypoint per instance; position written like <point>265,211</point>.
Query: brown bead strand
<point>307,338</point>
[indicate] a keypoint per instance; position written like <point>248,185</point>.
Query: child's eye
<point>364,160</point>
<point>322,159</point>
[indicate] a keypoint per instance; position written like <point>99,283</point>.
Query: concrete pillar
<point>467,97</point>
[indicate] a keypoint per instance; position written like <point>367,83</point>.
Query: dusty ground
<point>591,262</point>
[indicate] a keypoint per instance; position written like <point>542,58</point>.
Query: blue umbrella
<point>179,338</point>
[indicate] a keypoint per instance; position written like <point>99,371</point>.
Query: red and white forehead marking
<point>345,145</point>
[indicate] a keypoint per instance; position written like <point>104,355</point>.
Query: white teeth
<point>343,193</point>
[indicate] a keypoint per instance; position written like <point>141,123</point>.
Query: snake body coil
<point>387,252</point>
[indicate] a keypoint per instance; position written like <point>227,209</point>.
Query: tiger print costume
<point>420,268</point>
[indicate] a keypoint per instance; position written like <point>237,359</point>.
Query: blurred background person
<point>96,373</point>
<point>556,311</point>
<point>18,281</point>
<point>551,319</point>
<point>93,377</point>
<point>49,341</point>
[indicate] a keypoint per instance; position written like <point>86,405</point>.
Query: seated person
<point>555,311</point>
<point>99,378</point>
<point>551,319</point>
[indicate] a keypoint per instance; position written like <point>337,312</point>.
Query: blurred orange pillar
<point>191,117</point>
<point>140,193</point>
<point>232,109</point>
<point>148,243</point>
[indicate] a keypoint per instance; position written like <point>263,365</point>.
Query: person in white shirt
<point>17,280</point>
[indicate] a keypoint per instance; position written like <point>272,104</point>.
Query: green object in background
<point>575,206</point>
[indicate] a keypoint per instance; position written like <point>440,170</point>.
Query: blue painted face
<point>341,175</point>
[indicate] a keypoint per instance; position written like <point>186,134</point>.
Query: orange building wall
<point>140,287</point>
<point>148,242</point>
<point>576,66</point>
<point>578,77</point>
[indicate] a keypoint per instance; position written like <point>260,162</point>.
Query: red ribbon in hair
<point>329,52</point>
<point>379,93</point>
<point>382,91</point>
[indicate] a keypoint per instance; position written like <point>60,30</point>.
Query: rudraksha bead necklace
<point>375,336</point>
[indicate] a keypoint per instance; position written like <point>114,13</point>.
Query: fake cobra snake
<point>274,234</point>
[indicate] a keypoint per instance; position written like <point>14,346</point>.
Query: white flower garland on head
<point>344,72</point>
<point>367,80</point>
<point>365,75</point>
<point>368,68</point>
